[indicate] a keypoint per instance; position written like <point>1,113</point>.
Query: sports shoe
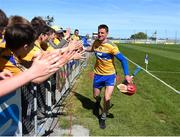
<point>102,123</point>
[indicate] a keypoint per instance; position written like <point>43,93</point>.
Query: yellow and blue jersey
<point>13,64</point>
<point>6,59</point>
<point>104,53</point>
<point>10,62</point>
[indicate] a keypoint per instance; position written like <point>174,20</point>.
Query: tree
<point>49,20</point>
<point>139,35</point>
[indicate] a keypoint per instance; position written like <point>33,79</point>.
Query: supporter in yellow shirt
<point>43,38</point>
<point>61,38</point>
<point>75,36</point>
<point>5,54</point>
<point>6,57</point>
<point>20,40</point>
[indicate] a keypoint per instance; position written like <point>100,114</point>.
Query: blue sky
<point>124,17</point>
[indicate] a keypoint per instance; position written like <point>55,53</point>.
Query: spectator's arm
<point>40,67</point>
<point>9,85</point>
<point>5,74</point>
<point>72,45</point>
<point>62,43</point>
<point>62,59</point>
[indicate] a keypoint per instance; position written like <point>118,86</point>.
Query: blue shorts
<point>104,80</point>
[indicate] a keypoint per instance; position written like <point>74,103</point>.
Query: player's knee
<point>95,94</point>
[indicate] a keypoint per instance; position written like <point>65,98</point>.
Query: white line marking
<point>155,77</point>
<point>175,72</point>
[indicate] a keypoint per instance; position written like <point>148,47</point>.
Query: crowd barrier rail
<point>31,108</point>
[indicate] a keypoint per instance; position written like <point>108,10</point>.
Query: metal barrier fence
<point>30,109</point>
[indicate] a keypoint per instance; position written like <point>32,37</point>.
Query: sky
<point>124,17</point>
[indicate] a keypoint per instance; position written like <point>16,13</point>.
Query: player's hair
<point>103,26</point>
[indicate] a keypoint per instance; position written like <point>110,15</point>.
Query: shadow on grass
<point>88,104</point>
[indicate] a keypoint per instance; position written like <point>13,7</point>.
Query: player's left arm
<point>124,63</point>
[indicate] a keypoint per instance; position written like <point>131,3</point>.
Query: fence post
<point>35,109</point>
<point>49,98</point>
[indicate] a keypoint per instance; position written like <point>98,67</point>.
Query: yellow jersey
<point>44,47</point>
<point>74,37</point>
<point>32,53</point>
<point>104,53</point>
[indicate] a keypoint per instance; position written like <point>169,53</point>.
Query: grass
<point>153,111</point>
<point>161,58</point>
<point>64,122</point>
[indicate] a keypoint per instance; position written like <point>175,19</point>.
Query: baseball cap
<point>58,29</point>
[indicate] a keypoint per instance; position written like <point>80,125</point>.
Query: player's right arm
<point>90,48</point>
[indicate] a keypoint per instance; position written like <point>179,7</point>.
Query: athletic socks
<point>103,116</point>
<point>98,99</point>
<point>102,120</point>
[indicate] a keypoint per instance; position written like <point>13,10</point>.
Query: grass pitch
<point>153,111</point>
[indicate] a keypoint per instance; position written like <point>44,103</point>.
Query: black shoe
<point>102,123</point>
